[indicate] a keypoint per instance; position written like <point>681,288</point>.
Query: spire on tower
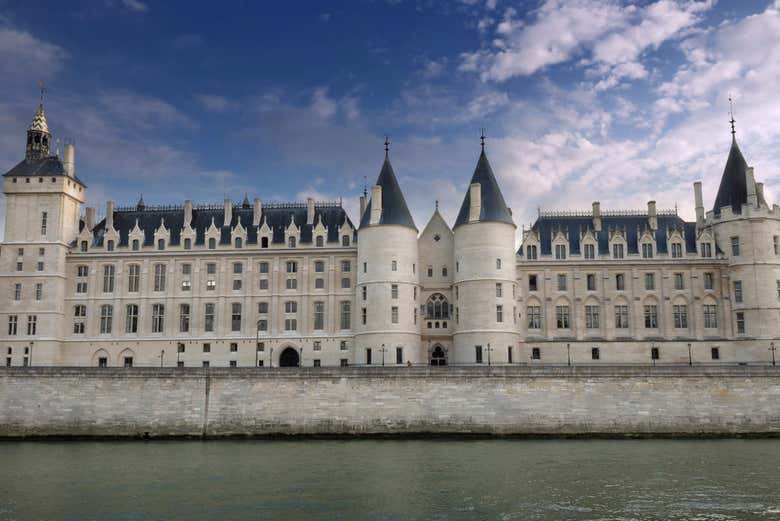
<point>482,138</point>
<point>387,145</point>
<point>38,135</point>
<point>731,113</point>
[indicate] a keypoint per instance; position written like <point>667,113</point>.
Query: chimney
<point>228,213</point>
<point>699,204</point>
<point>597,216</point>
<point>760,192</point>
<point>69,159</point>
<point>376,204</point>
<point>475,196</point>
<point>109,215</point>
<point>363,203</point>
<point>257,212</point>
<point>310,210</point>
<point>187,213</point>
<point>652,215</point>
<point>89,218</point>
<point>752,198</point>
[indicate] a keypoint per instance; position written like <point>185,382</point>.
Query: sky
<point>581,100</point>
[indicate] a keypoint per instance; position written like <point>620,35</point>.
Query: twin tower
<point>448,291</point>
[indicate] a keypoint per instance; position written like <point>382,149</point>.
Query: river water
<point>391,480</point>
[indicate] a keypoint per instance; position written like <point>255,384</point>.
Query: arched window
<point>212,243</point>
<point>437,307</point>
<point>239,243</point>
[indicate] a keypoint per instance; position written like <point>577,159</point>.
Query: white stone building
<point>255,284</point>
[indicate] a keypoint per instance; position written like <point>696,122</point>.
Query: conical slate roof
<point>39,120</point>
<point>733,184</point>
<point>394,209</point>
<point>493,206</point>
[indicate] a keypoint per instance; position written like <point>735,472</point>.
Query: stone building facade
<point>288,284</point>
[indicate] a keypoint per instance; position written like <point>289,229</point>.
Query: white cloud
<point>135,5</point>
<point>212,102</point>
<point>24,57</point>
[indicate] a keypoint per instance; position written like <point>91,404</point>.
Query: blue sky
<point>583,100</point>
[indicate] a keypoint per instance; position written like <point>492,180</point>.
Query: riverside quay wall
<point>504,400</point>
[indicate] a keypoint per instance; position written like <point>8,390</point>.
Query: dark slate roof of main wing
<point>733,184</point>
<point>394,209</point>
<point>44,167</point>
<point>276,216</point>
<point>493,206</point>
<point>631,224</point>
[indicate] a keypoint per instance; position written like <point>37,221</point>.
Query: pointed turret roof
<point>733,183</point>
<point>493,207</point>
<point>39,120</point>
<point>394,209</point>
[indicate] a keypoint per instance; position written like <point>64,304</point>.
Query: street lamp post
<point>773,349</point>
<point>489,349</point>
<point>271,358</point>
<point>382,350</point>
<point>690,358</point>
<point>652,353</point>
<point>568,355</point>
<point>162,357</point>
<point>257,342</point>
<point>31,351</point>
<point>300,358</point>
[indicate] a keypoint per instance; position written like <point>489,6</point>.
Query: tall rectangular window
<point>319,315</point>
<point>649,281</point>
<point>532,252</point>
<point>478,354</point>
<point>561,282</point>
<point>740,322</point>
<point>108,278</point>
<point>292,267</point>
<point>621,316</point>
<point>184,318</point>
<point>12,323</point>
<point>735,246</point>
<point>158,318</point>
<point>499,313</point>
<point>710,316</point>
<point>620,282</point>
<point>363,316</point>
<point>17,291</point>
<point>617,251</point>
<point>709,280</point>
<point>706,249</point>
<point>592,317</point>
<point>534,317</point>
<point>131,318</point>
<point>235,316</point>
<point>590,251</point>
<point>159,277</point>
<point>651,316</point>
<point>560,251</point>
<point>676,250</point>
<point>106,318</point>
<point>346,314</point>
<point>499,290</point>
<point>399,355</point>
<point>394,291</point>
<point>647,250</point>
<point>533,284</point>
<point>394,314</point>
<point>591,282</point>
<point>32,324</point>
<point>79,319</point>
<point>44,222</point>
<point>680,316</point>
<point>562,317</point>
<point>737,291</point>
<point>776,244</point>
<point>133,278</point>
<point>679,281</point>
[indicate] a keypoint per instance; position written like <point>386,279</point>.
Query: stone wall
<point>484,400</point>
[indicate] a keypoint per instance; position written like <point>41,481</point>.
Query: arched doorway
<point>289,358</point>
<point>438,357</point>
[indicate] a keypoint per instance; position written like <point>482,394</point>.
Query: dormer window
<point>345,240</point>
<point>647,250</point>
<point>590,251</point>
<point>110,246</point>
<point>560,251</point>
<point>319,241</point>
<point>83,246</point>
<point>617,251</point>
<point>676,250</point>
<point>239,243</point>
<point>161,244</point>
<point>212,243</point>
<point>136,245</point>
<point>706,249</point>
<point>531,252</point>
<point>264,242</point>
<point>291,242</point>
<point>187,244</point>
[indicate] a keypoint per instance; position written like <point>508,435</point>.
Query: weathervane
<point>387,144</point>
<point>42,86</point>
<point>482,138</point>
<point>731,113</point>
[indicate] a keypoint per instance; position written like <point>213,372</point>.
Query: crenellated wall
<point>398,401</point>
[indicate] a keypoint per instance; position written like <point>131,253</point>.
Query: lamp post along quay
<point>383,350</point>
<point>488,349</point>
<point>568,355</point>
<point>690,358</point>
<point>772,348</point>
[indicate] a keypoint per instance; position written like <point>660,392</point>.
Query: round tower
<point>747,231</point>
<point>484,283</point>
<point>387,325</point>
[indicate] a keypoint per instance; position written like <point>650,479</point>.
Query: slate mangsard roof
<point>394,209</point>
<point>733,184</point>
<point>276,215</point>
<point>493,208</point>
<point>633,225</point>
<point>44,167</point>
